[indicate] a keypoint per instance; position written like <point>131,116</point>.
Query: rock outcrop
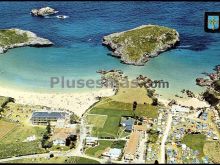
<point>12,38</point>
<point>138,45</point>
<point>45,11</point>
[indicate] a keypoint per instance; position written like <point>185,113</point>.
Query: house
<point>43,117</point>
<point>131,148</point>
<point>112,153</point>
<point>61,134</point>
<point>91,141</point>
<point>127,123</point>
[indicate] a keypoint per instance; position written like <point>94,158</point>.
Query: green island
<point>12,38</point>
<point>137,45</point>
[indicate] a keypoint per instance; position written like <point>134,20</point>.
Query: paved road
<point>164,139</point>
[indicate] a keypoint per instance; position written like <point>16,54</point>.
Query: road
<point>164,138</point>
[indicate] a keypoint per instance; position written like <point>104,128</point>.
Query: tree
<point>134,105</point>
<point>155,102</point>
<point>74,119</point>
<point>156,162</point>
<point>48,128</point>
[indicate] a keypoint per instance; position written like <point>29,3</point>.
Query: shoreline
<point>77,103</point>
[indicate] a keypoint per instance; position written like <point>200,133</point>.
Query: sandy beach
<point>75,102</point>
<point>194,102</point>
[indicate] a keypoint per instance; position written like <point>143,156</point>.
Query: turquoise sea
<point>78,52</point>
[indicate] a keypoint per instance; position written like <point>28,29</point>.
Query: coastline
<point>77,103</point>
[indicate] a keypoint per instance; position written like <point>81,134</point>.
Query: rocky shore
<point>138,45</point>
<point>13,38</point>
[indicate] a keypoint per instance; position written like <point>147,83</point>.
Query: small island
<point>12,38</point>
<point>138,45</point>
<point>45,11</point>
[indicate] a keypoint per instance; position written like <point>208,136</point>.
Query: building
<point>179,109</point>
<point>61,134</point>
<point>127,123</point>
<point>112,153</point>
<point>91,141</point>
<point>43,117</point>
<point>131,148</point>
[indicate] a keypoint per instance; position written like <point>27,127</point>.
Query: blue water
<point>78,52</point>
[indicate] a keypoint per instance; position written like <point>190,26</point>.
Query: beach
<point>187,102</point>
<point>74,102</point>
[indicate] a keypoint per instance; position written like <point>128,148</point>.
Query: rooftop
<point>58,115</point>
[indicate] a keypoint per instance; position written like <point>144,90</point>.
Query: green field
<point>70,160</point>
<point>97,121</point>
<point>12,143</point>
<point>98,150</point>
<point>114,111</point>
<point>195,142</point>
<point>6,127</point>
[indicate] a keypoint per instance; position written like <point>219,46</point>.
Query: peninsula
<point>12,38</point>
<point>138,45</point>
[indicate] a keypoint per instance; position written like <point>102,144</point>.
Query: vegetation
<point>104,144</point>
<point>45,143</point>
<point>129,95</point>
<point>212,150</point>
<point>12,143</point>
<point>113,110</point>
<point>212,97</point>
<point>74,118</point>
<point>217,85</point>
<point>152,136</point>
<point>6,127</point>
<point>18,112</point>
<point>98,121</point>
<point>195,142</point>
<point>9,37</point>
<point>143,40</point>
<point>68,160</point>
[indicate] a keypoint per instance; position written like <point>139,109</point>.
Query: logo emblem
<point>212,21</point>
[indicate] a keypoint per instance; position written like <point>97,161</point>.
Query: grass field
<point>18,112</point>
<point>146,110</point>
<point>71,160</point>
<point>129,95</point>
<point>212,150</point>
<point>6,127</point>
<point>195,142</point>
<point>97,121</point>
<point>114,111</point>
<point>98,150</point>
<point>12,143</point>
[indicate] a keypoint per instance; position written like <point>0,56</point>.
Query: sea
<point>78,52</point>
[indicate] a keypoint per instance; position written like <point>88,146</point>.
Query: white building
<point>112,153</point>
<point>91,141</point>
